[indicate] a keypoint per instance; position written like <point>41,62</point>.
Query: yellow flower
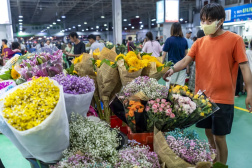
<point>30,105</point>
<point>112,63</point>
<point>96,53</point>
<point>130,55</point>
<point>188,93</point>
<point>185,87</point>
<point>191,95</point>
<point>98,63</point>
<point>133,69</point>
<point>75,72</point>
<point>14,73</point>
<point>196,96</point>
<point>95,73</point>
<point>203,101</point>
<point>202,114</point>
<point>78,59</point>
<point>120,56</point>
<point>202,97</point>
<point>209,104</point>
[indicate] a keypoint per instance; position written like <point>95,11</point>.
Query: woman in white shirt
<point>249,55</point>
<point>152,46</point>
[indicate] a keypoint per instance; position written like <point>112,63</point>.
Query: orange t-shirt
<point>217,60</point>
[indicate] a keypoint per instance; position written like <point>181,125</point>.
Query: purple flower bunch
<point>191,150</point>
<point>81,161</point>
<point>137,156</point>
<point>146,85</point>
<point>43,64</point>
<point>4,84</point>
<point>75,85</point>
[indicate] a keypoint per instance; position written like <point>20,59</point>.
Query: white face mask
<point>210,29</point>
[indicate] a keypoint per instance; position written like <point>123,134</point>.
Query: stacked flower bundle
<point>78,93</point>
<point>36,102</point>
<point>43,64</point>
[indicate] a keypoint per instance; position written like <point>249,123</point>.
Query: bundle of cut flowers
<point>28,106</point>
<point>144,87</point>
<point>130,66</point>
<point>42,65</point>
<point>159,114</point>
<point>95,138</point>
<point>78,93</point>
<point>81,161</point>
<point>191,149</point>
<point>137,156</point>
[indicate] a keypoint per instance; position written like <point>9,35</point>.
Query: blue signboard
<point>160,11</point>
<point>238,13</point>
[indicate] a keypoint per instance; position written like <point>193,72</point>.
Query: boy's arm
<point>247,77</point>
<point>178,67</point>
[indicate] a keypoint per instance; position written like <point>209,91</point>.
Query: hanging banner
<point>238,13</point>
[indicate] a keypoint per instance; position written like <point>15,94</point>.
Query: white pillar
<point>117,21</point>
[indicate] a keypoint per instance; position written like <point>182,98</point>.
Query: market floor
<point>239,142</point>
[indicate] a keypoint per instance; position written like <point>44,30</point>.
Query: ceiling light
<point>79,36</point>
<point>20,20</point>
<point>79,25</point>
<point>152,24</point>
<point>63,17</point>
<point>141,28</point>
<point>153,20</point>
<point>102,17</point>
<point>132,27</point>
<point>74,27</point>
<point>140,22</point>
<point>105,24</point>
<point>137,16</point>
<point>20,16</point>
<point>125,20</point>
<point>82,30</point>
<point>181,19</point>
<point>106,28</point>
<point>69,28</point>
<point>92,28</point>
<point>58,20</point>
<point>50,25</point>
<point>97,27</point>
<point>129,24</point>
<point>20,23</point>
<point>125,28</point>
<point>87,29</point>
<point>20,28</point>
<point>44,36</point>
<point>186,21</point>
<point>85,22</point>
<point>65,29</point>
<point>54,23</point>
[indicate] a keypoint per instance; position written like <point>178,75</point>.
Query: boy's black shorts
<point>221,121</point>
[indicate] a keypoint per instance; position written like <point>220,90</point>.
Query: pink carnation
<point>155,111</point>
<point>163,101</point>
<point>169,111</point>
<point>154,107</point>
<point>158,100</point>
<point>160,109</point>
<point>162,105</point>
<point>151,101</point>
<point>172,115</point>
<point>147,108</point>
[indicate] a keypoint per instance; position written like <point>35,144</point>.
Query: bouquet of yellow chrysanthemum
<point>96,53</point>
<point>130,66</point>
<point>108,81</point>
<point>78,59</point>
<point>155,69</point>
<point>36,114</point>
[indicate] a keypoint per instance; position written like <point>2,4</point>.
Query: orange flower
<point>140,110</point>
<point>133,121</point>
<point>131,113</point>
<point>131,102</point>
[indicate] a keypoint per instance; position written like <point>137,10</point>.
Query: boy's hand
<point>249,102</point>
<point>169,73</point>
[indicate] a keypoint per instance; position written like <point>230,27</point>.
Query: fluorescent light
<point>50,25</point>
<point>102,17</point>
<point>125,28</point>
<point>79,36</point>
<point>186,21</point>
<point>54,23</point>
<point>105,24</point>
<point>137,16</point>
<point>153,20</point>
<point>20,23</point>
<point>58,20</point>
<point>152,24</point>
<point>97,27</point>
<point>74,27</point>
<point>65,29</point>
<point>133,27</point>
<point>92,28</point>
<point>82,30</point>
<point>20,16</point>
<point>87,29</point>
<point>20,28</point>
<point>44,36</point>
<point>142,25</point>
<point>140,22</point>
<point>85,22</point>
<point>69,28</point>
<point>106,28</point>
<point>141,28</point>
<point>181,19</point>
<point>20,20</point>
<point>63,17</point>
<point>79,25</point>
<point>129,24</point>
<point>125,20</point>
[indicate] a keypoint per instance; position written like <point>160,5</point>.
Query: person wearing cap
<point>94,44</point>
<point>188,38</point>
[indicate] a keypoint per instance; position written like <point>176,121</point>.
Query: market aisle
<point>239,142</point>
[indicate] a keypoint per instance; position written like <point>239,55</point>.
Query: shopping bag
<point>48,140</point>
<point>79,104</point>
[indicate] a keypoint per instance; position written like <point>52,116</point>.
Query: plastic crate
<point>117,122</point>
<point>143,138</point>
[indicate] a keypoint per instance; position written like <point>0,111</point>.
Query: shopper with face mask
<point>218,56</point>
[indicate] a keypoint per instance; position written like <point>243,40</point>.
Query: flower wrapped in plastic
<point>35,113</point>
<point>78,93</point>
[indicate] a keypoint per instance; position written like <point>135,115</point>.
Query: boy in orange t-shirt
<point>218,56</point>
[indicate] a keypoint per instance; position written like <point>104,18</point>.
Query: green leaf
<point>219,165</point>
<point>159,69</point>
<point>93,62</point>
<point>70,69</point>
<point>144,53</point>
<point>28,65</point>
<point>39,61</point>
<point>6,75</point>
